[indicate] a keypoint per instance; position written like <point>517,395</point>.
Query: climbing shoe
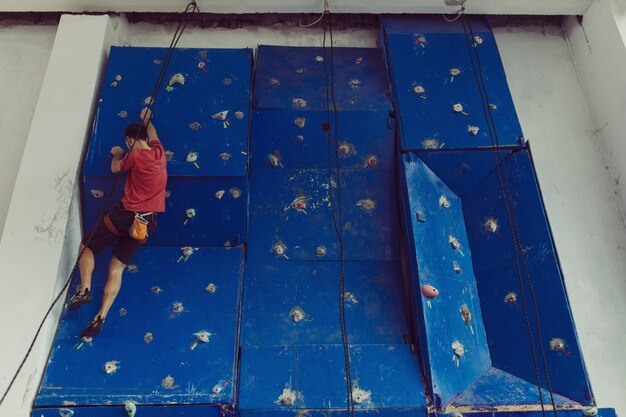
<point>78,299</point>
<point>93,328</point>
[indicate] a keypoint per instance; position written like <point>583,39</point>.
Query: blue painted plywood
<point>183,116</point>
<point>399,24</point>
<point>171,410</point>
<point>217,221</point>
<point>201,374</point>
<point>361,136</point>
<point>388,376</point>
<point>275,289</point>
<point>285,75</point>
<point>370,232</point>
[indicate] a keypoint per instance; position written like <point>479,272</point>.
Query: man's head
<point>135,131</point>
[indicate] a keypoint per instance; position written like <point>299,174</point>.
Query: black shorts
<point>126,246</point>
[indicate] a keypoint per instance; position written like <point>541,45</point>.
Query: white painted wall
<point>24,53</point>
<point>579,196</point>
<point>42,228</point>
<point>539,7</point>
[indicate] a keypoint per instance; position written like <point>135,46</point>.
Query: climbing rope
<point>520,261</point>
<point>182,25</point>
<point>336,208</point>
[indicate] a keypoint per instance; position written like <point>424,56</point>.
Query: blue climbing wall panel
<point>214,185</point>
<point>291,357</point>
<point>149,352</point>
<point>469,300</point>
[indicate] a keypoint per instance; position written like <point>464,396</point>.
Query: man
<point>144,196</point>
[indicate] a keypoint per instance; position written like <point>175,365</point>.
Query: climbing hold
<point>216,389</point>
<point>148,101</point>
<point>458,349</point>
<point>429,291</point>
<point>219,194</point>
<point>419,215</point>
<point>123,114</point>
<point>458,108</point>
<point>202,66</point>
<point>187,251</point>
<point>66,412</point>
<point>211,288</point>
<point>454,242</point>
<point>478,40</point>
<point>190,213</point>
<point>419,90</point>
<point>299,103</point>
<point>296,314</point>
<point>168,382</point>
<point>557,344</point>
<point>465,313</point>
<point>194,126</point>
<point>457,267</point>
<point>288,397</point>
<point>431,144</point>
<point>346,149</point>
<point>169,155</point>
<point>299,138</point>
<point>279,249</point>
<point>203,54</point>
<point>117,79</point>
<point>157,62</point>
<point>443,202</point>
<point>590,412</point>
<point>299,70</point>
<point>235,192</point>
<point>359,60</point>
<point>148,338</point>
<point>97,193</point>
<point>354,83</point>
<point>371,161</point>
<point>130,408</point>
<point>490,225</point>
<point>473,129</point>
<point>456,414</point>
<point>177,308</point>
<point>168,194</point>
<point>510,298</point>
<point>203,336</point>
<point>132,268</point>
<point>192,156</point>
<point>420,41</point>
<point>274,81</point>
<point>156,290</point>
<point>360,396</point>
<point>221,115</point>
<point>123,312</point>
<point>453,73</point>
<point>110,367</point>
<point>227,81</point>
<point>227,244</point>
<point>368,205</point>
<point>299,204</point>
<point>176,79</point>
<point>320,251</point>
<point>493,106</point>
<point>239,115</point>
<point>319,58</point>
<point>300,122</point>
<point>225,156</point>
<point>274,160</point>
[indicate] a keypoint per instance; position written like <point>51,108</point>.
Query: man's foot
<point>78,299</point>
<point>93,328</point>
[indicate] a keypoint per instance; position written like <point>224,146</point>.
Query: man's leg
<point>112,286</point>
<point>86,266</point>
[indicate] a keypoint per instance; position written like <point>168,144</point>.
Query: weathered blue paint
<point>185,124</point>
<point>75,372</point>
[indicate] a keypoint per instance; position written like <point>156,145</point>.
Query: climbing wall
<point>291,356</point>
<point>172,334</point>
<point>472,307</point>
<point>201,117</point>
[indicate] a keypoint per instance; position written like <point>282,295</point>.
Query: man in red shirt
<point>144,196</point>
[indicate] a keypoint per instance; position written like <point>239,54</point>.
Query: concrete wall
<point>24,51</point>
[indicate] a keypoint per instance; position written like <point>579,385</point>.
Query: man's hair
<point>136,131</point>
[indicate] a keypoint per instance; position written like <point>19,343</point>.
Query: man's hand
<point>117,151</point>
<point>145,115</point>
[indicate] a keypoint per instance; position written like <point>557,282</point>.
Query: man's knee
<point>116,267</point>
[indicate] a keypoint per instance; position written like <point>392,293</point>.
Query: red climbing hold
<point>429,291</point>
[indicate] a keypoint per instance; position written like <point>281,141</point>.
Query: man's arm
<point>146,117</point>
<point>116,162</point>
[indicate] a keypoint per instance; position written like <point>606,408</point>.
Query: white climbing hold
<point>111,367</point>
<point>221,115</point>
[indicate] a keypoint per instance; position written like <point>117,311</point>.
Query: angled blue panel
<point>183,116</point>
<point>362,135</point>
<point>425,24</point>
<point>199,373</point>
<point>275,290</point>
<point>285,75</point>
<point>370,232</point>
<point>217,221</point>
<point>119,411</point>
<point>461,170</point>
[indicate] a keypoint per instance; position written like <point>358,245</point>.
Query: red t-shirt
<point>147,177</point>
